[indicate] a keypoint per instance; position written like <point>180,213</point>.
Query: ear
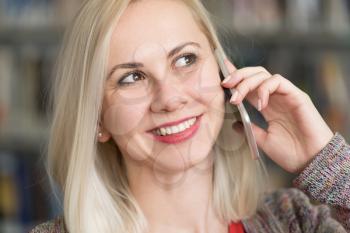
<point>102,134</point>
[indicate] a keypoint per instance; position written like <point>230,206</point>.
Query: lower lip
<point>179,137</point>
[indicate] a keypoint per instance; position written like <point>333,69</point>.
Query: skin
<point>172,183</point>
<point>166,179</point>
<point>296,131</point>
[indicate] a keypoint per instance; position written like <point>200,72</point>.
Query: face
<point>162,72</point>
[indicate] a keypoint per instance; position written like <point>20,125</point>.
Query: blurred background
<point>306,41</point>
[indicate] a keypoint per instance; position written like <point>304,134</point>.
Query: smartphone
<point>244,117</point>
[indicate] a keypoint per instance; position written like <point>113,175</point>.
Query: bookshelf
<point>44,36</point>
<point>311,48</point>
<point>30,35</point>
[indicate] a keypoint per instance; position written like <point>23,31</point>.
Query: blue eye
<point>185,60</point>
<point>130,78</point>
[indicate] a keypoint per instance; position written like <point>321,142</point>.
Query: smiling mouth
<point>175,126</point>
<point>178,132</point>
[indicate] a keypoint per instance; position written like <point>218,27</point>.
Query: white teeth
<point>162,131</point>
<point>182,127</point>
<point>176,128</point>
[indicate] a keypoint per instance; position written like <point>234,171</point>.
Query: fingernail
<point>226,79</point>
<point>234,96</point>
<point>259,104</point>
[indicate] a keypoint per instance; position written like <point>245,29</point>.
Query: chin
<point>175,159</point>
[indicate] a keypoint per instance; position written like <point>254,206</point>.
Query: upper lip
<point>168,124</point>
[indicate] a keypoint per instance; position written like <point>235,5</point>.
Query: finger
<point>276,83</point>
<point>248,85</point>
<point>231,68</point>
<point>240,74</point>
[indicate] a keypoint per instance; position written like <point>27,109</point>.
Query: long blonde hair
<point>91,175</point>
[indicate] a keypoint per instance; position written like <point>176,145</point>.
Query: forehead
<point>163,22</point>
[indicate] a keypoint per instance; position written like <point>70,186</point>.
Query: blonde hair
<point>91,175</point>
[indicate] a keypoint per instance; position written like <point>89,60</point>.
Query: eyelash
<point>191,55</point>
<point>193,59</point>
<point>138,73</point>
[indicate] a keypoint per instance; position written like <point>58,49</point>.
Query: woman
<point>141,137</point>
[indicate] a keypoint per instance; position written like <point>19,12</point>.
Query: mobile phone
<point>220,57</point>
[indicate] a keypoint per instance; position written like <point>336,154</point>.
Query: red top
<point>236,227</point>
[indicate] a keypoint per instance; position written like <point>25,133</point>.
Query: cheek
<point>205,85</point>
<point>121,120</point>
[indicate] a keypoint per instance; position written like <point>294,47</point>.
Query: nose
<point>168,98</point>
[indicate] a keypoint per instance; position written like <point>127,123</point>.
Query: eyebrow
<point>134,65</point>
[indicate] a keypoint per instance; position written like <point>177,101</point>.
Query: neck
<point>177,202</point>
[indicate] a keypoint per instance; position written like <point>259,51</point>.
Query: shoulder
<point>286,197</point>
<point>294,211</point>
<point>292,202</point>
<point>52,226</point>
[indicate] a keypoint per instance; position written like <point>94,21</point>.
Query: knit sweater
<point>325,180</point>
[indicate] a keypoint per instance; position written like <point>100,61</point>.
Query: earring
<point>99,134</point>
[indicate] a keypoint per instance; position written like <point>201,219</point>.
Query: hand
<point>296,131</point>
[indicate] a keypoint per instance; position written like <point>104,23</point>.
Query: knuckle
<point>277,76</point>
<point>306,96</point>
<point>243,89</point>
<point>263,69</point>
<point>248,85</point>
<point>262,74</point>
<point>261,90</point>
<point>234,76</point>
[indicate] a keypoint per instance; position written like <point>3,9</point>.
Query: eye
<point>185,60</point>
<point>130,78</point>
